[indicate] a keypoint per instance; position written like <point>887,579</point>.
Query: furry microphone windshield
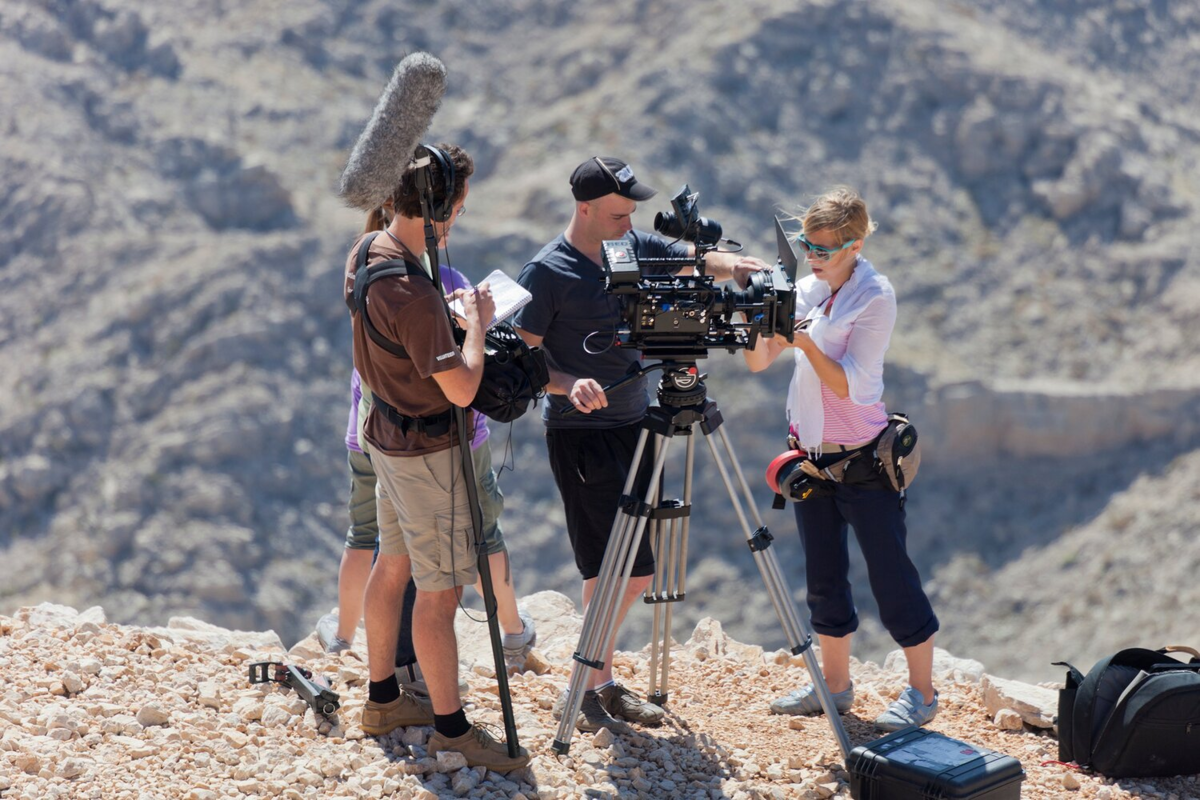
<point>386,145</point>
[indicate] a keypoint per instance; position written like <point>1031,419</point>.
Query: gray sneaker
<point>592,716</point>
<point>804,702</point>
<point>517,645</point>
<point>908,709</point>
<point>327,627</point>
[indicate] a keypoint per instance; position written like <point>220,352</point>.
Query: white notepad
<point>509,295</point>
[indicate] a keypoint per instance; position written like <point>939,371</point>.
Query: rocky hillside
<point>91,709</point>
<point>174,355</point>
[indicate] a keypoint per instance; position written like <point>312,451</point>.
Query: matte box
<point>915,764</point>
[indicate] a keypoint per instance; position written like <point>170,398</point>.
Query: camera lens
<point>668,224</point>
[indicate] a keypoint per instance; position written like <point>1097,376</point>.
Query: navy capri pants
<point>878,523</point>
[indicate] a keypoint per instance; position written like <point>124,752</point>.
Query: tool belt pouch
<point>898,453</point>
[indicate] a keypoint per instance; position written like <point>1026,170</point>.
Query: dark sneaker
<point>624,704</point>
<point>592,716</point>
<point>382,718</point>
<point>908,709</point>
<point>805,703</point>
<point>480,749</point>
<point>327,634</point>
<point>412,680</point>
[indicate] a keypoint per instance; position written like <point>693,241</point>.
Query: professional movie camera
<point>670,316</point>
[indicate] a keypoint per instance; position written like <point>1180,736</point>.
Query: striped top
<point>846,422</point>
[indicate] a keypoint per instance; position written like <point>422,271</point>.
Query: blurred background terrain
<point>174,351</point>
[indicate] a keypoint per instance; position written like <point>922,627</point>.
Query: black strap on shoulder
<point>364,276</point>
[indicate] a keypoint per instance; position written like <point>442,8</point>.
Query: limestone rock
<point>152,714</point>
<point>1037,706</point>
<point>945,666</point>
<point>1008,720</point>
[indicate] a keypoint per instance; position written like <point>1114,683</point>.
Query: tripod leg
<point>671,558</point>
<point>600,619</point>
<point>799,638</point>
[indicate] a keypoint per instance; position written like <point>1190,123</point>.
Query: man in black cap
<point>591,452</point>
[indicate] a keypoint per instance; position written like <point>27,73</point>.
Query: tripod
<point>683,406</point>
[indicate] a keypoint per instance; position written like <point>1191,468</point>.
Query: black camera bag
<point>1135,714</point>
<point>514,374</point>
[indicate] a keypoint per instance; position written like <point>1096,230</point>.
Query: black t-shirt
<point>569,305</point>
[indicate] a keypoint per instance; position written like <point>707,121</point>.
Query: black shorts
<point>590,467</point>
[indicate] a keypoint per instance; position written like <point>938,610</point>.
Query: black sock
<point>384,691</point>
<point>453,725</point>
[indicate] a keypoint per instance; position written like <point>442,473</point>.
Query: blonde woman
<point>847,311</point>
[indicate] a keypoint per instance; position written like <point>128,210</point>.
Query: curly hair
<point>405,199</point>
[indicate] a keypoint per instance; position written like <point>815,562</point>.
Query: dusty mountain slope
<point>174,355</point>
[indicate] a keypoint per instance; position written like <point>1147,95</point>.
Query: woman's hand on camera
<point>587,396</point>
<point>800,337</point>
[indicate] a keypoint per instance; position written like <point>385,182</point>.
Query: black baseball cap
<point>601,175</point>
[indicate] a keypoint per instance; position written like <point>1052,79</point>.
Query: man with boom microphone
<point>405,350</point>
<point>591,452</point>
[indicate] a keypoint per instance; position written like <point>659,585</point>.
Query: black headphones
<point>441,208</point>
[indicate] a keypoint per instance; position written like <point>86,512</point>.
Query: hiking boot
<point>908,709</point>
<point>411,679</point>
<point>592,715</point>
<point>518,645</point>
<point>382,718</point>
<point>624,704</point>
<point>327,634</point>
<point>480,749</point>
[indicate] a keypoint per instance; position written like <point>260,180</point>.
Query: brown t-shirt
<point>409,311</point>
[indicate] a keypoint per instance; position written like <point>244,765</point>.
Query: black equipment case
<point>915,764</point>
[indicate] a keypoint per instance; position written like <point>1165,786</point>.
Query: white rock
<point>1008,720</point>
<point>603,738</point>
<point>710,636</point>
<point>275,716</point>
<point>213,637</point>
<point>91,616</point>
<point>415,735</point>
<point>945,665</point>
<point>152,714</point>
<point>210,694</point>
<point>450,761</point>
<point>1037,706</point>
<point>463,782</point>
<point>48,615</point>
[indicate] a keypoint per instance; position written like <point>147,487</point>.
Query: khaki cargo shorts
<point>424,514</point>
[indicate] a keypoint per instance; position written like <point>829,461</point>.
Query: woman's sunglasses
<point>818,253</point>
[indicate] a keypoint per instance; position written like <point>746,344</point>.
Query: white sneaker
<point>327,634</point>
<point>519,644</point>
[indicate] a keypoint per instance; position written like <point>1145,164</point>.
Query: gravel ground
<point>90,709</point>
